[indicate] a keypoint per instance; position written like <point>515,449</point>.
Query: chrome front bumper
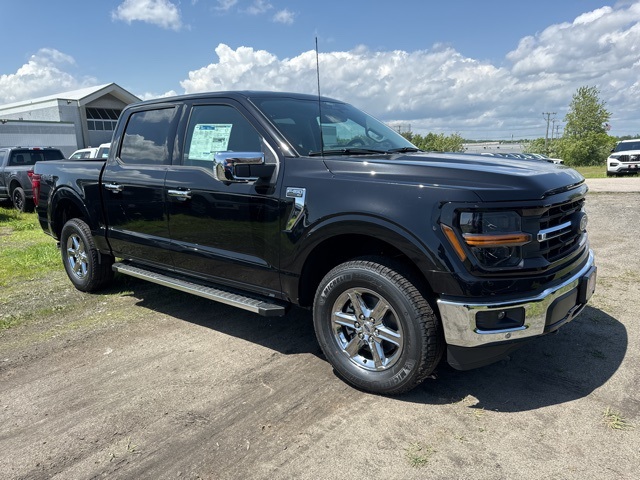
<point>459,318</point>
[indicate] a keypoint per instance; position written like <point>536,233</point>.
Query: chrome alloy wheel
<point>77,256</point>
<point>366,328</point>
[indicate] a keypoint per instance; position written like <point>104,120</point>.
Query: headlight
<point>493,238</point>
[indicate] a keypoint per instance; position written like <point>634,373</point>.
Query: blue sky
<point>483,69</point>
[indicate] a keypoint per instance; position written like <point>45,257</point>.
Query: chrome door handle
<point>179,194</point>
<point>114,187</point>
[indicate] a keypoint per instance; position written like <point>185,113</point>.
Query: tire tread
<point>431,339</point>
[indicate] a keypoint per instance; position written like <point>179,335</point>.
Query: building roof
<point>82,96</point>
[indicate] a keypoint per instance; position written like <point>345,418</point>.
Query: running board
<point>254,305</point>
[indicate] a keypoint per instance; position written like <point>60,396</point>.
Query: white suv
<point>625,158</point>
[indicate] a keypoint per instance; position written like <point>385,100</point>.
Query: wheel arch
<point>13,184</point>
<point>65,205</point>
<point>343,239</point>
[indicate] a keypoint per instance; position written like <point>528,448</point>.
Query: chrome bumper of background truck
<point>459,318</point>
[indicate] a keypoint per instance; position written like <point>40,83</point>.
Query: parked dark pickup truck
<point>16,169</point>
<point>267,200</point>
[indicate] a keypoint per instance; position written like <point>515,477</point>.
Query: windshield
<point>624,146</point>
<point>345,129</point>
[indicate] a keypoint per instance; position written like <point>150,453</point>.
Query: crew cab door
<point>224,228</point>
<point>133,185</point>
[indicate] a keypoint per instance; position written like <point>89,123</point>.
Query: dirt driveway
<point>145,382</point>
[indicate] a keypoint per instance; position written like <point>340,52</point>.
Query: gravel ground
<point>145,382</point>
<point>621,184</point>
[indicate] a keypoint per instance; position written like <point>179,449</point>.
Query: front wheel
<point>81,258</point>
<point>375,328</point>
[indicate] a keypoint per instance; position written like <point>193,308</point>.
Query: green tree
<point>436,142</point>
<point>587,114</point>
<point>537,145</point>
<point>585,140</point>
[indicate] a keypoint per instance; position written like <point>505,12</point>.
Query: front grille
<point>565,238</point>
<point>629,158</point>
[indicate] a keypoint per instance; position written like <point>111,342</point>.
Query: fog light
<point>500,319</point>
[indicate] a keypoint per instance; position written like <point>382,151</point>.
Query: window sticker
<point>209,139</point>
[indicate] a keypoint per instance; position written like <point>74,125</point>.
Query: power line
<point>546,137</point>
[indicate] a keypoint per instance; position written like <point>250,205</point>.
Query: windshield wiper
<point>404,150</point>
<point>346,151</point>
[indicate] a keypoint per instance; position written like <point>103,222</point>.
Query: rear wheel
<point>375,328</point>
<point>19,200</point>
<point>87,270</point>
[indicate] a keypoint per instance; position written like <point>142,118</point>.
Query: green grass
<point>599,171</point>
<point>615,421</point>
<point>25,251</point>
<point>419,454</point>
<point>13,320</point>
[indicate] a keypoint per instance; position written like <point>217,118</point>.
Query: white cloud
<point>226,5</point>
<point>44,74</point>
<point>284,16</point>
<point>441,90</point>
<point>594,41</point>
<point>439,84</point>
<point>151,96</point>
<point>436,89</point>
<point>259,7</point>
<point>157,12</point>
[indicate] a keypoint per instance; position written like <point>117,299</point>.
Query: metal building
<point>68,120</point>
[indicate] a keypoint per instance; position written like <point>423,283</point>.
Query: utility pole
<point>546,137</point>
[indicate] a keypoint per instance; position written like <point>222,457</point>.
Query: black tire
<point>20,201</point>
<point>81,258</point>
<point>386,355</point>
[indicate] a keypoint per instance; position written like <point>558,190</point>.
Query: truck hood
<point>490,178</point>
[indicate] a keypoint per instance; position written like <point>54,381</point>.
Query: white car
<point>539,156</point>
<point>624,158</point>
<point>101,152</point>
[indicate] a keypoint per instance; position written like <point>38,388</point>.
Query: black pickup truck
<point>267,200</point>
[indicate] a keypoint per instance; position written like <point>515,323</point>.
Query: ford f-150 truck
<point>16,169</point>
<point>266,200</point>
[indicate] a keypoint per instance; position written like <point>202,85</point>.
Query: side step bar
<point>254,305</point>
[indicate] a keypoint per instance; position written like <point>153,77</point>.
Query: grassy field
<point>599,171</point>
<point>25,251</point>
<point>26,256</point>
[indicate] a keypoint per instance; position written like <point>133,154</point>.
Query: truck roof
<point>238,94</point>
